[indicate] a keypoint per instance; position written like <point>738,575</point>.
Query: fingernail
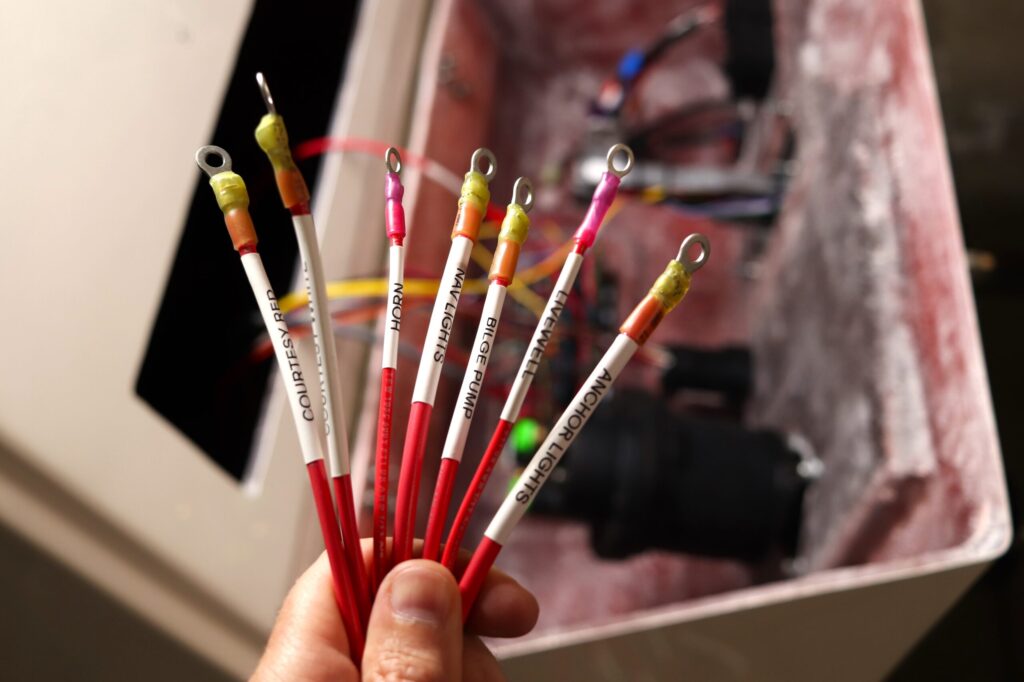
<point>420,594</point>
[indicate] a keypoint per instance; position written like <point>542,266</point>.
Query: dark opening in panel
<point>197,371</point>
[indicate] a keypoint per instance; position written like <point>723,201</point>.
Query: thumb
<point>415,632</point>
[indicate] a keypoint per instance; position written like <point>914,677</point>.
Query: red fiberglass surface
<point>858,311</point>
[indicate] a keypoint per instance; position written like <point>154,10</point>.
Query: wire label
<point>566,429</point>
<point>482,355</point>
<point>302,395</point>
<point>395,321</point>
<point>444,333</point>
<point>544,331</point>
<point>318,351</point>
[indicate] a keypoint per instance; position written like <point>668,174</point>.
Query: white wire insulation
<point>301,402</point>
<point>561,436</point>
<point>541,336</point>
<point>323,341</point>
<point>442,321</point>
<point>393,319</point>
<point>473,379</point>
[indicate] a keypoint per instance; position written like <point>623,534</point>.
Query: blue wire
<point>630,66</point>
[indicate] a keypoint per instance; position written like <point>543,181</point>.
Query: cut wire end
<point>268,99</point>
<point>204,154</point>
<point>692,265</point>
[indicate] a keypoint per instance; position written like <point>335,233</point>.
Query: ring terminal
<point>393,160</point>
<point>522,193</point>
<point>232,196</point>
<point>512,235</point>
<point>492,164</point>
<point>615,151</point>
<point>692,265</point>
<point>668,290</point>
<point>204,153</point>
<point>474,196</point>
<point>394,213</point>
<point>604,195</point>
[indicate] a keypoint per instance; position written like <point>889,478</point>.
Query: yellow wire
<point>374,288</point>
<point>546,267</point>
<point>519,289</point>
<point>552,230</point>
<point>489,230</point>
<point>527,297</point>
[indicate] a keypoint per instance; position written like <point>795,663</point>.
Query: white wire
<point>393,319</point>
<point>541,335</point>
<point>561,436</point>
<point>300,399</point>
<point>323,341</point>
<point>442,321</point>
<point>473,379</point>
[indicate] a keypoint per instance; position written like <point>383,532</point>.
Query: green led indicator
<point>526,435</point>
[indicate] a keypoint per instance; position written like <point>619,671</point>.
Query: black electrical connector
<point>725,371</point>
<point>749,29</point>
<point>644,478</point>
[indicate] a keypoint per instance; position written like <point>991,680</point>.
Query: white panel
<point>104,104</point>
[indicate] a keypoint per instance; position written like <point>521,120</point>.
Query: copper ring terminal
<point>522,193</point>
<point>627,153</point>
<point>492,163</point>
<point>203,154</point>
<point>393,160</point>
<point>692,265</point>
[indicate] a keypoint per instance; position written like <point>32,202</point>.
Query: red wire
<point>439,507</point>
<point>353,545</point>
<point>494,213</point>
<point>324,145</point>
<point>349,526</point>
<point>476,489</point>
<point>343,592</point>
<point>381,481</point>
<point>476,573</point>
<point>408,480</point>
<point>341,580</point>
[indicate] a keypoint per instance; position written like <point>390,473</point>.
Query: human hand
<point>415,634</point>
